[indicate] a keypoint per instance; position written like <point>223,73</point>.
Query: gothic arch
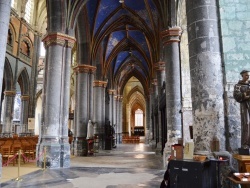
<point>135,89</point>
<point>11,35</point>
<point>39,94</point>
<point>7,76</point>
<point>23,80</point>
<point>26,47</point>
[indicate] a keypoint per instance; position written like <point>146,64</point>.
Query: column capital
<point>56,38</point>
<point>111,91</point>
<point>99,83</point>
<point>25,97</point>
<point>83,68</point>
<point>9,93</point>
<point>118,98</point>
<point>159,66</point>
<point>171,35</point>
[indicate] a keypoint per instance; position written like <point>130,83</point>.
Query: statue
<point>242,95</point>
<point>90,130</point>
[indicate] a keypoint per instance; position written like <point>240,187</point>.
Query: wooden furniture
<point>7,155</point>
<point>243,162</point>
<point>245,184</point>
<point>243,166</point>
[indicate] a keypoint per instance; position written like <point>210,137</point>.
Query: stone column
<point>155,113</point>
<point>151,116</point>
<point>5,8</point>
<point>24,113</point>
<point>9,97</point>
<point>160,71</point>
<point>116,113</point>
<point>112,106</point>
<point>206,73</point>
<point>65,100</point>
<point>115,109</point>
<point>173,84</point>
<point>119,121</point>
<point>55,83</point>
<point>33,79</point>
<point>91,93</point>
<point>147,130</point>
<point>81,109</point>
<point>99,104</point>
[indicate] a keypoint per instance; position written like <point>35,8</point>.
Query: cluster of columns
<point>99,110</point>
<point>7,113</point>
<point>25,113</point>
<point>83,106</point>
<point>206,77</point>
<point>56,92</point>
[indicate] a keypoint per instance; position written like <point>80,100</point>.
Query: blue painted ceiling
<point>128,33</point>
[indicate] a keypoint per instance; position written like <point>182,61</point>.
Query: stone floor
<point>127,166</point>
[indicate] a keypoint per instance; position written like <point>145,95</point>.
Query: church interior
<point>82,79</point>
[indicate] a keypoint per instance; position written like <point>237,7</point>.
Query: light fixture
<point>121,1</point>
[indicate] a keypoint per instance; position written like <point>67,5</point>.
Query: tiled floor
<point>127,166</point>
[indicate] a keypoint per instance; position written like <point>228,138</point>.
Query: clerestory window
<point>29,11</point>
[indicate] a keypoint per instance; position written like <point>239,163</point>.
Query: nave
<point>127,166</point>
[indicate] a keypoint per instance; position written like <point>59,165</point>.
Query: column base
<point>80,147</point>
<point>152,143</point>
<point>55,155</point>
<point>119,138</point>
<point>158,150</point>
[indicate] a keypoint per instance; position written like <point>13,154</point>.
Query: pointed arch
<point>7,76</point>
<point>23,80</point>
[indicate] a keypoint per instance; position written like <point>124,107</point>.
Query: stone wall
<point>235,31</point>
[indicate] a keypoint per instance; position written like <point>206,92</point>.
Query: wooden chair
<point>28,151</point>
<point>15,150</point>
<point>7,154</point>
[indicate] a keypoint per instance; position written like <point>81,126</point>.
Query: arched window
<point>10,37</point>
<point>29,11</point>
<point>17,107</point>
<point>138,118</point>
<point>25,48</point>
